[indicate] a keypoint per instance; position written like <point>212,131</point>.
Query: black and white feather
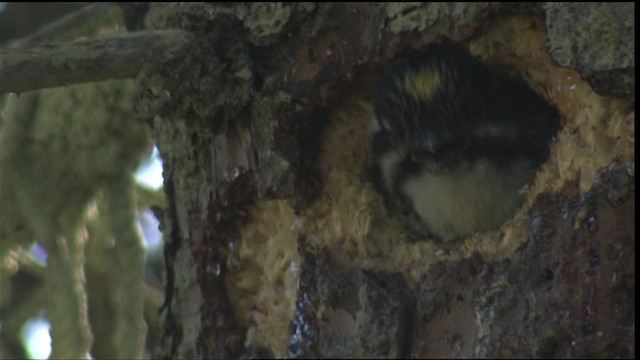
<point>454,141</point>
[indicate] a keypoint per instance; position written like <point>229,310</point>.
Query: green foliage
<point>64,153</point>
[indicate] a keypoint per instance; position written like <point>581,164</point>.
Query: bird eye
<point>382,141</point>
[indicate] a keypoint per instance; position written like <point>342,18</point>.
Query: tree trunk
<point>278,245</point>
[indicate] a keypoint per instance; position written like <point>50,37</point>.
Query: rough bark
<point>241,117</point>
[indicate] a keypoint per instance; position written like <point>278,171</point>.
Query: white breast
<point>472,198</point>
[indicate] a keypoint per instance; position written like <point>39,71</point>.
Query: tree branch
<point>85,60</point>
